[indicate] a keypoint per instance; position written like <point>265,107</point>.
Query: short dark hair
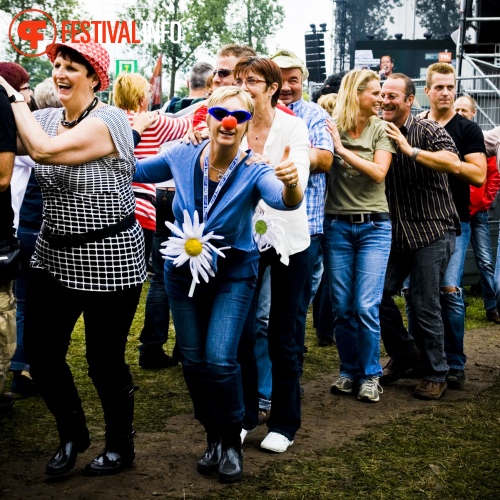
<point>409,85</point>
<point>264,67</point>
<point>198,75</point>
<point>390,57</point>
<point>69,54</point>
<point>14,73</point>
<point>233,49</point>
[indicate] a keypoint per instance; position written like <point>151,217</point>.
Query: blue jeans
<point>28,239</point>
<point>356,259</point>
<point>481,244</point>
<point>263,360</point>
<point>156,316</point>
<point>208,329</point>
<point>452,303</point>
<point>426,267</point>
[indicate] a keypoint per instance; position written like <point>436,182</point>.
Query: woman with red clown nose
<point>211,263</point>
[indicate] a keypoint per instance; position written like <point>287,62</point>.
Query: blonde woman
<point>357,231</point>
<point>216,186</point>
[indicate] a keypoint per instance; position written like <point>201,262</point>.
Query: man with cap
<point>294,72</point>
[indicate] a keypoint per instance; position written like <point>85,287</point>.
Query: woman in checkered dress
<point>89,257</point>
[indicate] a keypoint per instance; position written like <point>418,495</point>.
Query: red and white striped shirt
<point>163,130</point>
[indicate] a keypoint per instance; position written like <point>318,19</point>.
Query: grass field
<point>450,452</point>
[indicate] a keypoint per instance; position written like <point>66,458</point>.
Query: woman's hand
<point>195,137</point>
<point>144,120</point>
<point>258,158</point>
<point>337,143</point>
<point>286,171</point>
<point>395,134</point>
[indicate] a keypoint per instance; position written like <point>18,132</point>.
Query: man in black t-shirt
<point>468,137</point>
<point>7,242</point>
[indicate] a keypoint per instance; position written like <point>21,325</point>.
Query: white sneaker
<point>276,442</point>
<point>343,385</point>
<point>244,433</point>
<point>370,390</point>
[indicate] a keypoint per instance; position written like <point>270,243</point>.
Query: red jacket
<point>482,198</point>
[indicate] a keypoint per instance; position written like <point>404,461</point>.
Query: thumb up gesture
<point>286,171</point>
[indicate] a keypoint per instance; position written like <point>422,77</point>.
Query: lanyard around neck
<point>206,205</point>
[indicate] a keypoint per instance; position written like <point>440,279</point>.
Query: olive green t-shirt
<point>349,191</point>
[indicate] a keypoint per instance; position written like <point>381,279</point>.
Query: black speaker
<point>315,56</point>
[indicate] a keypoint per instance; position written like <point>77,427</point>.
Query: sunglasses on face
<point>219,114</point>
<point>222,73</point>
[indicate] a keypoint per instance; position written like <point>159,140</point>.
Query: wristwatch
<point>415,153</point>
<point>17,97</point>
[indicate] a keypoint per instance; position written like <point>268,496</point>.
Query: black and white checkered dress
<point>77,199</point>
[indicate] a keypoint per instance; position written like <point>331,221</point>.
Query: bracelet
<point>291,185</point>
<point>416,151</point>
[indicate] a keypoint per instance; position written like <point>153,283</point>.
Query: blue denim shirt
<point>231,217</point>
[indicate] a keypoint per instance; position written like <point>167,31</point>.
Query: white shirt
<point>291,130</point>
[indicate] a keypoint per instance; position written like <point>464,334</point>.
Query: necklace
<point>66,124</point>
<point>220,172</point>
<point>263,130</point>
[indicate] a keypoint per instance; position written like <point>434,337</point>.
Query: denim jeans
<point>28,239</point>
<point>481,244</point>
<point>426,267</point>
<point>156,316</point>
<point>356,259</point>
<point>265,379</point>
<point>208,329</point>
<point>452,303</point>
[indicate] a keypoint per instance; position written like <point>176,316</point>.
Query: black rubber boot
<point>209,463</point>
<point>74,438</point>
<point>231,462</point>
<point>119,451</point>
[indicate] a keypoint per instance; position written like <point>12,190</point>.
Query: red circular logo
<point>30,30</point>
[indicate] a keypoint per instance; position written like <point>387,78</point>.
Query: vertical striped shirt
<point>420,200</point>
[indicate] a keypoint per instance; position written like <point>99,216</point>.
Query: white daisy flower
<point>193,246</point>
<point>266,232</point>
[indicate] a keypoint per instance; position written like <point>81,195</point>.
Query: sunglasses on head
<point>223,72</point>
<point>220,113</point>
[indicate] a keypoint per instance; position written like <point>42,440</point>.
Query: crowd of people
<point>249,205</point>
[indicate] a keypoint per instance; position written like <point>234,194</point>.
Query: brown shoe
<point>427,389</point>
<point>493,316</point>
<point>263,416</point>
<point>396,368</point>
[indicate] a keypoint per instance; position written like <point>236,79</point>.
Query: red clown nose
<point>229,122</point>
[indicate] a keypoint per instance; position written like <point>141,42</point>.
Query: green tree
<point>201,23</point>
<point>439,18</point>
<point>354,20</point>
<point>251,22</point>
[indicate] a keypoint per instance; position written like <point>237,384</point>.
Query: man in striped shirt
<point>425,224</point>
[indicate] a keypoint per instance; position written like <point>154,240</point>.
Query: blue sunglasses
<point>219,114</point>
